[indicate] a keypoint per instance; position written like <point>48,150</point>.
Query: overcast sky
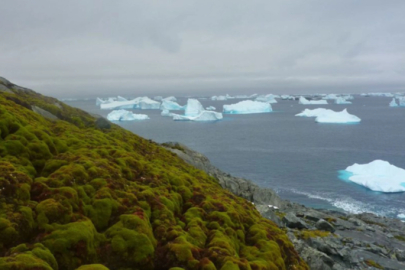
<point>88,47</point>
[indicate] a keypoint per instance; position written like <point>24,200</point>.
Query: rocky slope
<point>77,192</point>
<point>325,239</point>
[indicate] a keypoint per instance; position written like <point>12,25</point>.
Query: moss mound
<point>74,195</point>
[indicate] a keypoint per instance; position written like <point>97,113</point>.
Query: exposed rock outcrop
<point>325,239</point>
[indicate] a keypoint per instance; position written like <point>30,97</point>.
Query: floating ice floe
<point>137,103</point>
<point>393,103</point>
<point>328,116</point>
<point>170,105</point>
<point>202,116</point>
<point>124,115</point>
<point>270,98</point>
<point>247,106</point>
<point>341,100</point>
<point>210,108</point>
<point>305,101</point>
<point>377,175</point>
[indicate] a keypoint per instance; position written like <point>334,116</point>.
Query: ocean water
<point>295,156</point>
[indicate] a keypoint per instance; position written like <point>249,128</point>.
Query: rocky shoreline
<point>325,239</point>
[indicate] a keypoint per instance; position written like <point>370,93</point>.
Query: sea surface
<point>295,156</point>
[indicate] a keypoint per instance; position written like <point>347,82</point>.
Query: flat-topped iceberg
<point>247,106</point>
<point>341,100</point>
<point>137,103</point>
<point>305,101</point>
<point>377,175</point>
<point>170,105</point>
<point>393,103</point>
<point>124,115</point>
<point>328,116</point>
<point>270,98</point>
<point>202,116</point>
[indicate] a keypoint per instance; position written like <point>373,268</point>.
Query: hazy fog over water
<point>97,47</point>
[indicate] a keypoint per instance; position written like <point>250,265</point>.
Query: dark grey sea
<point>295,156</point>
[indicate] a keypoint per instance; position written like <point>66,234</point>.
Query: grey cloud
<point>92,47</point>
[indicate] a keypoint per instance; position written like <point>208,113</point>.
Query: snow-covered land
<point>247,106</point>
<point>377,175</point>
<point>341,100</point>
<point>137,103</point>
<point>329,116</point>
<point>305,101</point>
<point>124,115</point>
<point>170,105</point>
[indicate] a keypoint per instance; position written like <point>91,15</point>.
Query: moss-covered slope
<point>72,195</point>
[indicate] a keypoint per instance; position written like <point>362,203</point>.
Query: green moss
<point>109,197</point>
<point>400,237</point>
<point>373,264</point>
<point>92,267</point>
<point>306,234</point>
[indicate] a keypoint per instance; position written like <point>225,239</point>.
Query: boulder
<point>323,225</point>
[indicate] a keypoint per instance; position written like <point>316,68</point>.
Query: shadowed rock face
<point>74,195</point>
<point>324,239</point>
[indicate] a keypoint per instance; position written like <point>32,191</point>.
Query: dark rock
<point>103,123</point>
<point>324,226</point>
<point>291,221</point>
<point>44,113</point>
<point>4,88</point>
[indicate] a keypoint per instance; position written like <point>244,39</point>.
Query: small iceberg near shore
<point>247,106</point>
<point>328,116</point>
<point>124,115</point>
<point>305,101</point>
<point>378,175</point>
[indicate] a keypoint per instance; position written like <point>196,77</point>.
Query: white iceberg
<point>137,103</point>
<point>328,116</point>
<point>270,98</point>
<point>401,216</point>
<point>247,106</point>
<point>393,103</point>
<point>341,100</point>
<point>202,116</point>
<point>119,98</point>
<point>210,108</point>
<point>219,98</point>
<point>170,105</point>
<point>401,101</point>
<point>305,101</point>
<point>330,96</point>
<point>100,101</point>
<point>166,113</point>
<point>287,97</point>
<point>124,115</point>
<point>193,107</point>
<point>171,98</point>
<point>377,175</point>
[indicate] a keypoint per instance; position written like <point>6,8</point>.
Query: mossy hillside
<point>108,198</point>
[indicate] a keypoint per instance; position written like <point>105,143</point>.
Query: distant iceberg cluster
<point>305,101</point>
<point>124,115</point>
<point>270,98</point>
<point>329,116</point>
<point>377,175</point>
<point>247,106</point>
<point>400,103</point>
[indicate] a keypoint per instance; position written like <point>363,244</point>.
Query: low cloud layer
<point>101,47</point>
